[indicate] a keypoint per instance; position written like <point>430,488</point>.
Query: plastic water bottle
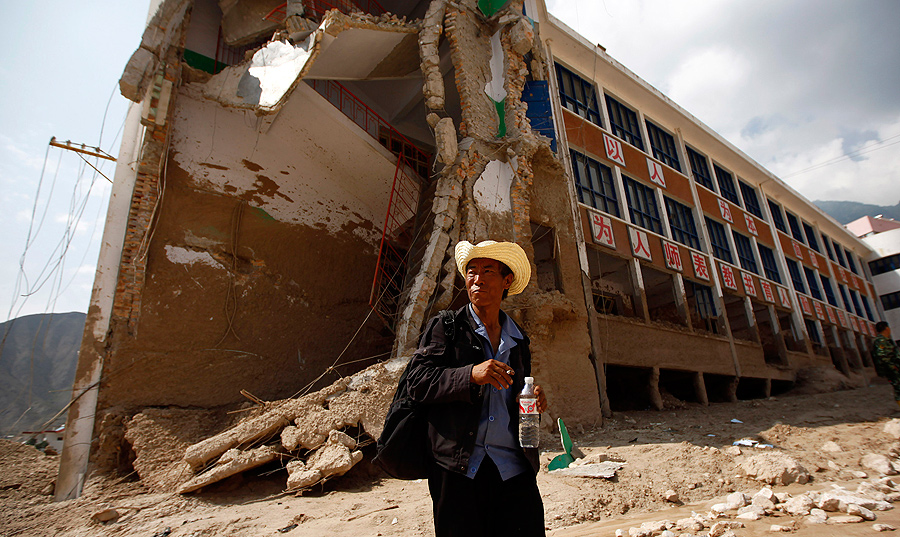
<point>529,418</point>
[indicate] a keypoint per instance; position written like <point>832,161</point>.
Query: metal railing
<point>397,233</point>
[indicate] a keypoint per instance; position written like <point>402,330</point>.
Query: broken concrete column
<point>653,387</point>
<point>429,37</point>
<point>445,136</point>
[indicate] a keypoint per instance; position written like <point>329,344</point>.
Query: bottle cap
<point>529,380</point>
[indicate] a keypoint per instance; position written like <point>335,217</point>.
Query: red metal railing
<point>316,9</point>
<point>412,166</point>
<point>375,125</point>
<point>390,269</point>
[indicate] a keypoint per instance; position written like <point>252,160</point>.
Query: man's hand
<point>493,372</point>
<point>541,398</point>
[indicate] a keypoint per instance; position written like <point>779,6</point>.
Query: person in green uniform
<point>886,356</point>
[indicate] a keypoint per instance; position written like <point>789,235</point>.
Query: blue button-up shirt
<point>497,436</point>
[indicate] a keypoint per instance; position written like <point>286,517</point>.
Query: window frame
<point>642,212</point>
<point>812,283</point>
<point>796,278</point>
<point>850,262</point>
<point>777,216</point>
<point>888,263</point>
<point>810,233</point>
<point>826,241</point>
<point>717,237</point>
<point>751,199</point>
<point>744,247</point>
<point>890,301</point>
<point>727,188</point>
<point>619,112</point>
<point>590,112</point>
<point>828,289</point>
<point>682,223</point>
<point>839,253</point>
<point>658,136</point>
<point>770,265</point>
<point>794,226</point>
<point>581,189</point>
<point>701,177</point>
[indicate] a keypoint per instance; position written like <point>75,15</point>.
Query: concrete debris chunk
<point>606,469</point>
<point>860,511</point>
<point>878,463</point>
<point>719,529</point>
<point>775,468</point>
<point>893,428</point>
<point>798,505</point>
<point>840,500</point>
<point>845,519</point>
<point>817,516</point>
<point>106,515</point>
<point>235,462</point>
<point>883,527</point>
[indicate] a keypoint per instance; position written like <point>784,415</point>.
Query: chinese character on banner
<point>656,172</point>
<point>819,313</point>
<point>673,256</point>
<point>842,317</point>
<point>701,269</point>
<point>751,224</point>
<point>797,251</point>
<point>614,149</point>
<point>767,291</point>
<point>844,275</point>
<point>854,324</point>
<point>871,329</point>
<point>831,316</point>
<point>804,305</point>
<point>812,257</point>
<point>749,288</point>
<point>640,244</point>
<point>601,230</point>
<point>785,298</point>
<point>728,277</point>
<point>725,210</point>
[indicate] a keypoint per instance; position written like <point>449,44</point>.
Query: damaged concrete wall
<point>264,242</point>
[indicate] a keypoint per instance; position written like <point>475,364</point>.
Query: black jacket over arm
<point>440,377</point>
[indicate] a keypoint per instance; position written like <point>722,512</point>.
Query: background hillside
<point>848,211</point>
<point>37,368</point>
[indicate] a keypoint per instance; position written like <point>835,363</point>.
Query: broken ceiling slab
<point>344,47</point>
<point>243,21</point>
<point>367,54</point>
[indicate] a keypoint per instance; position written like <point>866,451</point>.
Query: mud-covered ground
<point>680,450</point>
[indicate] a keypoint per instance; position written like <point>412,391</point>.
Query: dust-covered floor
<point>680,451</point>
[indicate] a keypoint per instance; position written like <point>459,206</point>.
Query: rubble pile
<point>835,506</point>
<point>308,435</point>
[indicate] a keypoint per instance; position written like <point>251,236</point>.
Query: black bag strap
<point>449,319</point>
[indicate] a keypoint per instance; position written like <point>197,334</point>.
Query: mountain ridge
<point>38,357</point>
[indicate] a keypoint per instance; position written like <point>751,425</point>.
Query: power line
<point>880,145</point>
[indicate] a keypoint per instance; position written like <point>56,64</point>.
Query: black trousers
<point>487,505</point>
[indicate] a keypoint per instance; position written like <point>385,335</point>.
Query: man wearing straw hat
<point>482,481</point>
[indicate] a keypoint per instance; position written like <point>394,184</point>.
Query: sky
<point>809,89</point>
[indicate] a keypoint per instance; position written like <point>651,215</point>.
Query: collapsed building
<point>247,255</point>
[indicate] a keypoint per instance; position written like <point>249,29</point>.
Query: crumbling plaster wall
<point>260,251</point>
<point>498,179</point>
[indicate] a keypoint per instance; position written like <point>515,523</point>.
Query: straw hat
<point>509,253</point>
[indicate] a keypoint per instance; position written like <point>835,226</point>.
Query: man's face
<point>484,283</point>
